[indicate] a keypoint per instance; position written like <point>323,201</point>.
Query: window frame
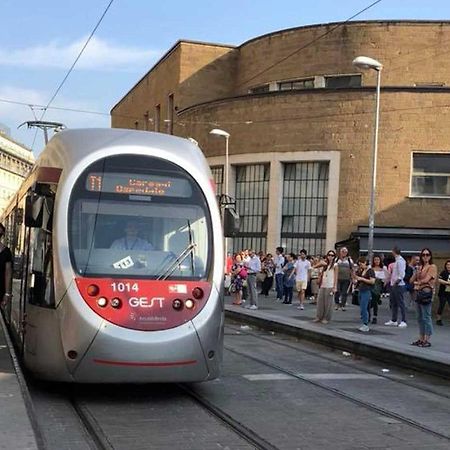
<point>342,75</point>
<point>295,80</point>
<point>411,174</point>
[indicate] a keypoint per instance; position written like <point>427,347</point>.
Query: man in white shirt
<point>397,290</point>
<point>302,272</point>
<point>253,267</point>
<point>131,241</point>
<point>278,261</point>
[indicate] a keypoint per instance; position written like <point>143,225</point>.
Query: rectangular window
<point>252,202</point>
<point>430,175</point>
<point>298,84</point>
<point>170,110</point>
<point>158,118</point>
<point>304,210</point>
<point>259,89</point>
<point>343,81</point>
<point>218,177</point>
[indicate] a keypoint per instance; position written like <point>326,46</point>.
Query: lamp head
<point>219,132</point>
<point>364,62</point>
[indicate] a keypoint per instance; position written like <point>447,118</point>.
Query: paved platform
<point>388,344</point>
<point>16,431</point>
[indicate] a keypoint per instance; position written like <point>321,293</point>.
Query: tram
<point>118,269</point>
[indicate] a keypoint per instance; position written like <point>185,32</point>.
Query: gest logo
<point>145,302</point>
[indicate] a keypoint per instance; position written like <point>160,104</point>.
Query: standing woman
<point>327,288</point>
<point>5,270</point>
<point>444,291</point>
<point>345,270</point>
<point>424,280</point>
<point>268,267</point>
<point>365,279</point>
<point>238,275</point>
<point>381,277</point>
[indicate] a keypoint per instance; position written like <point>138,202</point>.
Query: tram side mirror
<point>34,207</point>
<point>231,222</point>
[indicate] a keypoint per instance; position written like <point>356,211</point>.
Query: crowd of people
<point>330,280</point>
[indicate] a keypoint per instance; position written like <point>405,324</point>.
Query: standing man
<point>254,267</point>
<point>6,271</point>
<point>278,261</point>
<point>302,272</point>
<point>397,290</point>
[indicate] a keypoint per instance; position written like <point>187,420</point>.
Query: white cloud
<point>98,55</point>
<point>13,115</point>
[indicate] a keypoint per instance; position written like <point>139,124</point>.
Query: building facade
<point>15,162</point>
<point>300,119</point>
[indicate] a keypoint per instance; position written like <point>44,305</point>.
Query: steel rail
<point>342,363</point>
<point>342,394</point>
<point>237,427</point>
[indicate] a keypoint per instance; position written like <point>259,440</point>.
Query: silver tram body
<point>84,188</point>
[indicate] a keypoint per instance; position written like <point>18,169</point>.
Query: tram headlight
<point>102,302</point>
<point>177,304</point>
<point>189,303</point>
<point>116,303</point>
<point>197,293</point>
<point>93,290</point>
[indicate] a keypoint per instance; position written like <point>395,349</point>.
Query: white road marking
<point>269,377</point>
<point>340,376</point>
<point>312,376</point>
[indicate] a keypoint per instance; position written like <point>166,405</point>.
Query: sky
<point>40,41</point>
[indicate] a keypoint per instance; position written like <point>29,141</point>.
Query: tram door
<point>38,287</point>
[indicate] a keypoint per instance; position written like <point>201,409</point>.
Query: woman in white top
<point>327,288</point>
<point>381,278</point>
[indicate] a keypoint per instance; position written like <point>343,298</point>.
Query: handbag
<point>355,297</point>
<point>424,296</point>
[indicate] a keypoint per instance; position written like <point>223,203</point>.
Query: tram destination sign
<point>138,184</point>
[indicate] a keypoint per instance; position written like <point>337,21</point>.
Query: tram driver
<point>131,240</point>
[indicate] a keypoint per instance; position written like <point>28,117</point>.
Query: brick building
<point>301,117</point>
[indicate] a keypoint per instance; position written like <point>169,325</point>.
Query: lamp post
<point>364,62</point>
<point>218,132</point>
<point>222,133</point>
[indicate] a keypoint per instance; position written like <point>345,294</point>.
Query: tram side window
<point>41,290</point>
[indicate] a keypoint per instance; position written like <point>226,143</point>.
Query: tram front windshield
<point>138,217</point>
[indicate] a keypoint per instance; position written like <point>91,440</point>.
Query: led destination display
<point>138,184</point>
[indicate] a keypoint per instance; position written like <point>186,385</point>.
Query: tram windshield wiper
<point>178,260</point>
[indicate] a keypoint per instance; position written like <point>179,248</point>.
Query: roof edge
<point>347,23</point>
<point>164,57</point>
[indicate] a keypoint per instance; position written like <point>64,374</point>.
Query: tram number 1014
<point>125,287</point>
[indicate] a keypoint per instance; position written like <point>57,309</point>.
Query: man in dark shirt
<point>5,270</point>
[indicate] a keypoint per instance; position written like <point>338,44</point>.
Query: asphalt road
<point>274,393</point>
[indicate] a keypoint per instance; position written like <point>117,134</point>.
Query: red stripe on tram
<point>145,364</point>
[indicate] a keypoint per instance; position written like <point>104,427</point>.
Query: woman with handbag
<point>365,280</point>
<point>424,280</point>
<point>238,276</point>
<point>327,288</point>
<point>381,274</point>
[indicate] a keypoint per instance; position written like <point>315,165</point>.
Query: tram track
<point>339,393</point>
<point>241,430</point>
<point>90,424</point>
<point>403,382</point>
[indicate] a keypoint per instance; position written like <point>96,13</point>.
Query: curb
<point>40,442</point>
<point>338,340</point>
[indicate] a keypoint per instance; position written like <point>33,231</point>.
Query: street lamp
<point>219,132</point>
<point>222,133</point>
<point>364,63</point>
